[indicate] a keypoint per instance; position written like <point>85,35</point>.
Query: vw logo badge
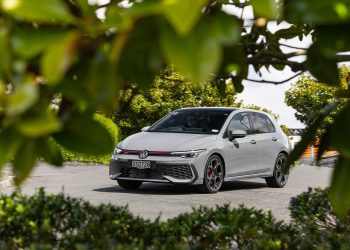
<point>143,154</point>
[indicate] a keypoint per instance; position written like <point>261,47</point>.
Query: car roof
<point>223,109</point>
<point>230,109</point>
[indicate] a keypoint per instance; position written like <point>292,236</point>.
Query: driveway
<point>151,200</point>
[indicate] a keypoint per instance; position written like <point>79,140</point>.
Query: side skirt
<point>260,175</point>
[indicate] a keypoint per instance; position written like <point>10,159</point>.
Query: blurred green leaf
<point>84,6</point>
<point>58,57</point>
<point>48,11</point>
<point>339,192</point>
<point>288,33</point>
<point>9,143</point>
<point>279,67</point>
<point>4,52</point>
<point>197,55</point>
<point>238,86</point>
<point>24,160</point>
<point>225,28</point>
<point>266,8</point>
<point>51,153</point>
<point>317,60</point>
<point>140,61</point>
<point>74,91</point>
<point>22,99</point>
<point>233,63</point>
<point>85,135</point>
<point>141,9</point>
<point>183,14</point>
<point>330,39</point>
<point>117,18</point>
<point>340,132</point>
<point>325,141</point>
<point>39,125</point>
<point>29,42</point>
<point>317,12</point>
<point>102,82</point>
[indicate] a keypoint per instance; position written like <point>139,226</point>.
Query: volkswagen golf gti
<point>205,146</point>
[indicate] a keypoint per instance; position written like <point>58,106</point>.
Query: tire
<point>279,179</point>
<point>213,175</point>
<point>129,185</point>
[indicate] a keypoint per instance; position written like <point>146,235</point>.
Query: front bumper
<point>160,171</point>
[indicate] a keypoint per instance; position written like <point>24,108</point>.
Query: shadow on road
<point>241,185</point>
<point>169,189</point>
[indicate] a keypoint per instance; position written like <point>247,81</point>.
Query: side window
<point>270,125</point>
<point>239,122</point>
<point>260,123</point>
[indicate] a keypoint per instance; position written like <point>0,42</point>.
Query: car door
<point>241,152</point>
<point>266,141</point>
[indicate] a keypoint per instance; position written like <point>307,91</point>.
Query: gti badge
<point>143,154</point>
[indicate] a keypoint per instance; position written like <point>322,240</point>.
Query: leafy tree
<point>61,46</point>
<point>309,97</point>
<point>170,91</point>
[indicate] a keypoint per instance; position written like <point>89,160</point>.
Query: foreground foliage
<point>314,217</point>
<point>109,125</point>
<point>61,47</point>
<point>46,221</point>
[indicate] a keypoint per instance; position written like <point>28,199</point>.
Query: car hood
<point>154,141</point>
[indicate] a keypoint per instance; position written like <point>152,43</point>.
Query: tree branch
<point>275,82</point>
<point>292,47</point>
<point>295,66</point>
<point>343,58</point>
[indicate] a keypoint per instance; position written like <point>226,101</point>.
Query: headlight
<point>118,151</point>
<point>188,154</point>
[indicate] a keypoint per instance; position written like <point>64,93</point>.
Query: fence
<point>328,158</point>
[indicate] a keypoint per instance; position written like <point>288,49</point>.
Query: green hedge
<point>312,214</point>
<point>46,221</point>
<point>104,159</point>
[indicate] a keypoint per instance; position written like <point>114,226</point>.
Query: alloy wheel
<point>214,174</point>
<point>280,175</point>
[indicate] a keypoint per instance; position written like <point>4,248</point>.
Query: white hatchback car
<point>204,146</point>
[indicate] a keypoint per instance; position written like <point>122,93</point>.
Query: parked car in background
<point>295,136</point>
<point>205,146</point>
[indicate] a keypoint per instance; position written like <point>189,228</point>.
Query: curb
<point>8,183</point>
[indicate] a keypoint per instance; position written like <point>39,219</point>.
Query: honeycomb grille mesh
<point>181,172</point>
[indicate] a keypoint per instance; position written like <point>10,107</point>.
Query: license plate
<point>141,164</point>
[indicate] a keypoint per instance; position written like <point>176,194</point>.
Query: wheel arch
<point>221,158</point>
<point>284,152</point>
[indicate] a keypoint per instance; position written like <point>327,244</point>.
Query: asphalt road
<point>151,200</point>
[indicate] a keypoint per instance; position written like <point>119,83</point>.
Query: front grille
<point>181,172</point>
<point>140,173</point>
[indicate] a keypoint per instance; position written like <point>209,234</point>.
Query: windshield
<point>195,121</point>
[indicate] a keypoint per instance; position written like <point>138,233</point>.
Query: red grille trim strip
<point>129,151</point>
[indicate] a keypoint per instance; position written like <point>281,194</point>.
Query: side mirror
<point>233,134</point>
<point>144,129</point>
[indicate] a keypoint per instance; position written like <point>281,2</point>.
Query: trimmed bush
<point>313,216</point>
<point>104,159</point>
<point>46,221</point>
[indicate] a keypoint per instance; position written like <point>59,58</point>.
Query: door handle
<point>253,142</point>
<point>274,138</point>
